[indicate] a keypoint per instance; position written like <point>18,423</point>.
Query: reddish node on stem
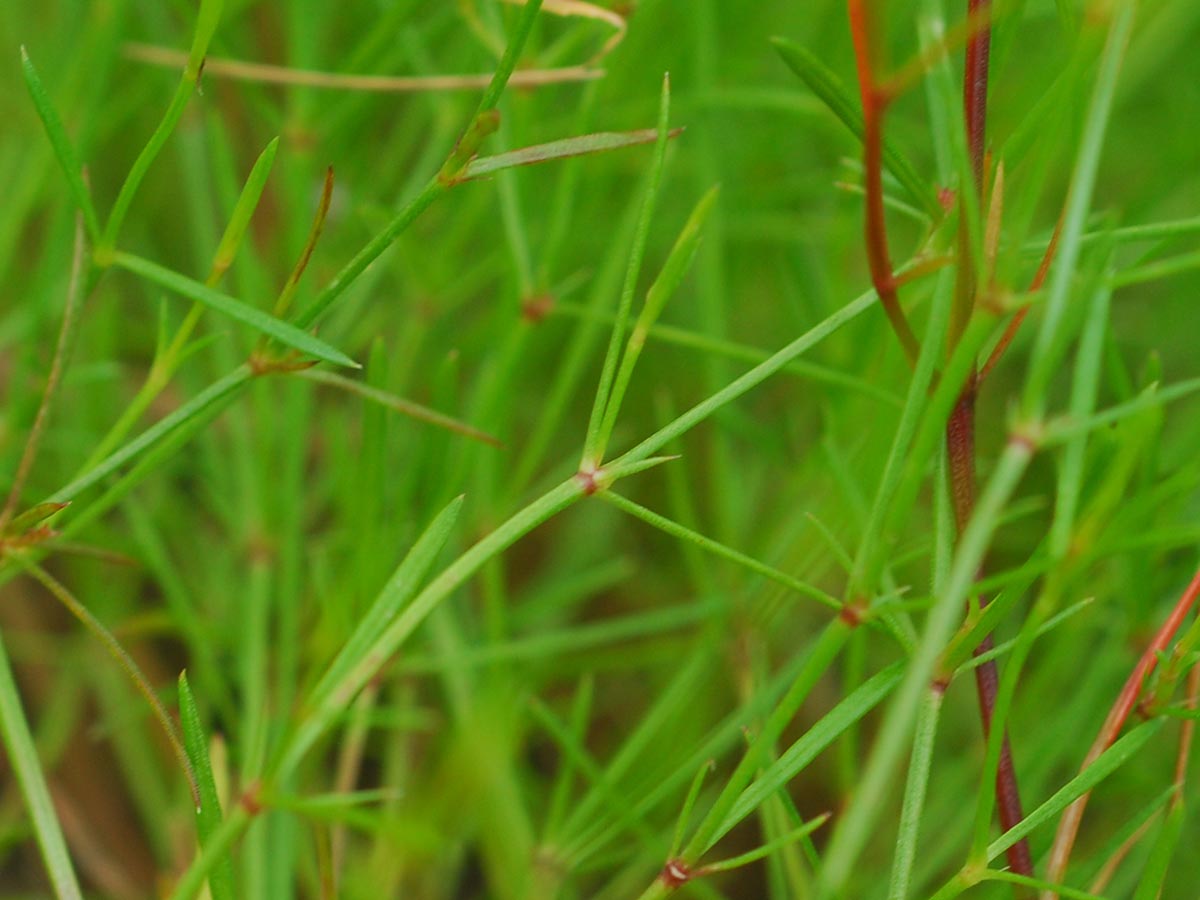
<point>589,479</point>
<point>250,800</point>
<point>675,874</point>
<point>852,613</point>
<point>536,308</point>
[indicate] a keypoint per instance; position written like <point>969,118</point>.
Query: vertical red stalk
<point>875,100</point>
<point>960,430</point>
<point>975,84</point>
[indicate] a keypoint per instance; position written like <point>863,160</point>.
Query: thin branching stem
<point>65,333</point>
<point>263,73</point>
<point>126,662</point>
<point>1014,325</point>
<point>1068,826</point>
<point>875,100</point>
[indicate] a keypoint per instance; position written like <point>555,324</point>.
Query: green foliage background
<point>506,749</point>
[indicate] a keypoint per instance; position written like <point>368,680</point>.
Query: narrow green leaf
<point>332,806</point>
<point>669,278</point>
<point>685,811</point>
<point>1008,646</point>
<point>207,20</point>
<point>562,149</point>
<point>767,849</point>
<point>1059,890</point>
<point>564,779</point>
<point>355,669</point>
<point>212,398</point>
<point>731,805</point>
<point>1046,352</point>
<point>751,379</point>
<point>398,404</point>
<point>281,331</point>
<point>635,751</point>
<point>244,208</point>
<point>879,774</point>
<point>915,785</point>
<point>571,642</point>
<point>1084,389</point>
<point>35,515</point>
<point>27,771</point>
<point>215,850</point>
<point>1155,271</point>
<point>206,24</point>
<point>829,89</point>
<point>608,800</point>
<point>400,588</point>
<point>593,444</point>
<point>512,54</point>
<point>1066,427</point>
<point>208,813</point>
<point>684,533</point>
<point>63,149</point>
<point>793,761</point>
<point>1107,763</point>
<point>433,189</point>
<point>1150,885</point>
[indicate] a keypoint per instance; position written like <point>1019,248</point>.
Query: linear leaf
<point>281,331</point>
<point>208,813</point>
<point>207,18</point>
<point>563,149</point>
<point>399,589</point>
<point>669,278</point>
<point>247,202</point>
<point>64,150</point>
<point>27,771</point>
<point>1108,762</point>
<point>399,404</point>
<point>829,88</point>
<point>805,750</point>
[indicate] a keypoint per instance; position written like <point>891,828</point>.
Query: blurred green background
<point>291,509</point>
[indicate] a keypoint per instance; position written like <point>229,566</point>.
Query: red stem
<point>1015,324</point>
<point>960,429</point>
<point>975,85</point>
<point>1068,826</point>
<point>874,103</point>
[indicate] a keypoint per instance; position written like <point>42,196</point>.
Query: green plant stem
<point>213,853</point>
<point>206,24</point>
<point>62,348</point>
<point>919,765</point>
<point>1047,348</point>
<point>596,439</point>
<point>748,381</point>
<point>339,695</point>
<point>435,187</point>
<point>27,770</point>
<point>854,828</point>
<point>832,639</point>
